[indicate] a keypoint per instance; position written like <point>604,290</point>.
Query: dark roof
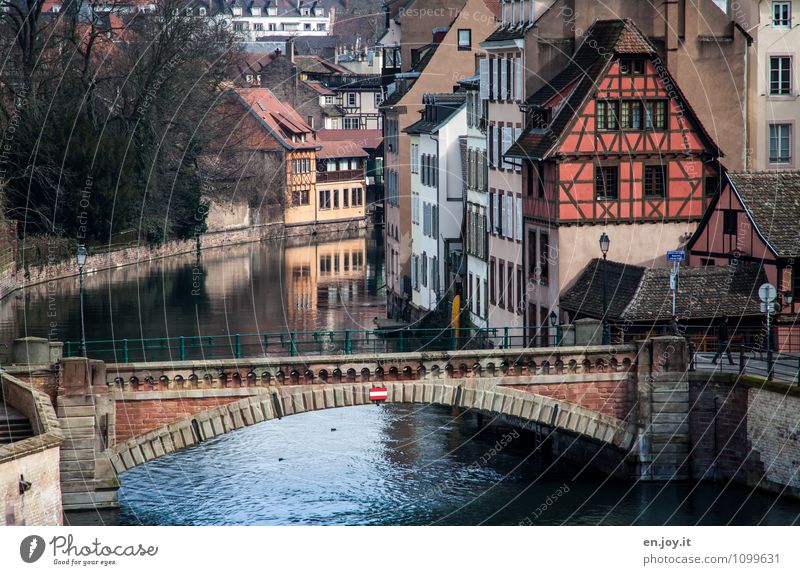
<point>473,82</point>
<point>637,293</point>
<point>439,108</point>
<point>773,201</point>
<point>506,32</point>
<point>365,82</point>
<point>585,296</point>
<point>580,76</point>
<point>578,80</point>
<point>367,139</point>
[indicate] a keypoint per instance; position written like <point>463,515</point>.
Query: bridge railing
<point>298,343</point>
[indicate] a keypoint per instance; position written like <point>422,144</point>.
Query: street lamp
<point>81,257</point>
<point>605,243</point>
<point>553,322</point>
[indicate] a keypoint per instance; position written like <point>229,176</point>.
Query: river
<point>365,465</point>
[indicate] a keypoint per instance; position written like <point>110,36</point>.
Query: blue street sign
<point>676,256</point>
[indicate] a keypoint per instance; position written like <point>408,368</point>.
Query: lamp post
<point>81,257</point>
<point>605,243</point>
<point>553,322</point>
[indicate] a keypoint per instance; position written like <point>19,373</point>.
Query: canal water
<point>365,465</point>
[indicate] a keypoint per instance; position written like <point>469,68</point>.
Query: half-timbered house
<point>610,145</point>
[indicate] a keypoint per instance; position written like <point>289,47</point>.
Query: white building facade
<point>437,196</point>
<point>268,18</point>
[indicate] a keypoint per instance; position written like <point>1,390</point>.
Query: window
<point>780,144</point>
<point>335,199</point>
<point>782,14</point>
<point>238,27</point>
<point>606,182</point>
<point>358,197</point>
<point>465,39</point>
<point>520,295</point>
<point>532,253</point>
<point>352,99</point>
<point>607,113</point>
<point>424,273</point>
<point>248,78</point>
<point>729,218</point>
<point>544,258</point>
<point>300,198</point>
<point>655,181</point>
<point>631,116</point>
<point>237,11</point>
<point>501,280</point>
<point>346,198</point>
<point>630,66</point>
<point>510,287</point>
<point>492,282</point>
<point>306,26</point>
<point>378,98</point>
<point>351,124</point>
<point>324,199</point>
<point>202,11</point>
<point>258,27</point>
<point>656,115</point>
<point>780,75</point>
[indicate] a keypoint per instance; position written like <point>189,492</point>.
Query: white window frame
<point>778,126</point>
<point>776,6</point>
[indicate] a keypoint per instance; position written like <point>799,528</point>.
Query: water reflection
<point>249,288</point>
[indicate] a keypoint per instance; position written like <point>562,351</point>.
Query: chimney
<point>290,49</point>
<point>504,12</point>
<point>511,19</point>
<point>671,29</point>
<point>522,14</point>
<point>533,13</point>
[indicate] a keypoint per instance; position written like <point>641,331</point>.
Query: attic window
<point>237,11</point>
<point>202,11</point>
<point>631,66</point>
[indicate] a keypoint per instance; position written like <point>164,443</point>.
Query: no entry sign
<point>378,394</point>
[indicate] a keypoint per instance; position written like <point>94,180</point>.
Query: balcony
<point>340,176</point>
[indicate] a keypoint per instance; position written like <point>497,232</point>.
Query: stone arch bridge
<point>630,401</point>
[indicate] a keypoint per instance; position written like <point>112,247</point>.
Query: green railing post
<point>69,349</point>
<point>125,351</point>
<point>402,342</point>
<point>347,344</point>
<point>292,345</point>
<point>505,337</point>
<point>558,336</point>
<point>183,348</point>
<point>238,345</point>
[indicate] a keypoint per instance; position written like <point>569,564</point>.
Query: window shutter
<point>517,161</point>
<point>484,72</point>
<point>518,79</point>
<point>519,219</point>
<point>503,79</point>
<point>497,83</point>
<point>502,215</point>
<point>495,213</point>
<point>507,163</point>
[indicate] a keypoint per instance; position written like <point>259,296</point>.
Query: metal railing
<point>298,343</point>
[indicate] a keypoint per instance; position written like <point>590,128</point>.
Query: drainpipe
<point>745,155</point>
<point>435,138</point>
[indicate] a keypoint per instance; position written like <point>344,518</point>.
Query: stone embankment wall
<point>35,460</point>
<point>746,429</point>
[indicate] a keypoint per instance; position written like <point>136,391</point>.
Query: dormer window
<point>202,11</point>
<point>272,11</point>
<point>256,11</point>
<point>249,78</point>
<point>237,11</point>
<point>318,11</point>
<point>188,10</point>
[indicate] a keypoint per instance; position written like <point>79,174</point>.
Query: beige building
<point>340,181</point>
<point>776,108</point>
<point>449,56</point>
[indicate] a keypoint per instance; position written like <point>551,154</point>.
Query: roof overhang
<point>517,44</point>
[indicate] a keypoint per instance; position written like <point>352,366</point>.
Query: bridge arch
<point>282,401</point>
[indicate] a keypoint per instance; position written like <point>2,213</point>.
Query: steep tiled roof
<point>317,65</point>
<point>585,296</point>
<point>643,294</point>
<point>773,201</point>
<point>573,86</point>
<point>439,108</point>
<point>280,119</point>
<point>320,88</point>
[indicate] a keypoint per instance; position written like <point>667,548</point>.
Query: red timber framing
<point>676,146</point>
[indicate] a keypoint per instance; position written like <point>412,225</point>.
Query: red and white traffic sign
<point>378,394</point>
